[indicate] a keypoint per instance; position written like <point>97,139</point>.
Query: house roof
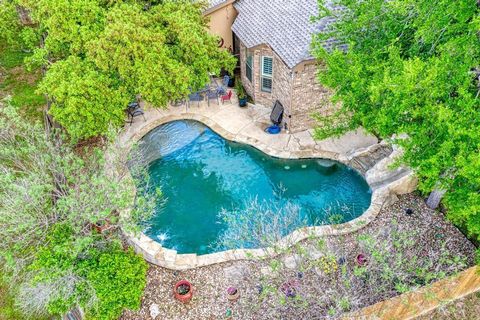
<point>214,3</point>
<point>285,26</point>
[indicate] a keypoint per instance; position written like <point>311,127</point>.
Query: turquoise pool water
<point>201,174</point>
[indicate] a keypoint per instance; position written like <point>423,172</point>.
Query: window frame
<point>266,76</point>
<point>249,67</point>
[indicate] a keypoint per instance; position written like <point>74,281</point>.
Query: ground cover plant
<point>334,275</point>
<point>319,278</point>
<point>411,72</point>
<point>61,218</point>
<point>19,83</point>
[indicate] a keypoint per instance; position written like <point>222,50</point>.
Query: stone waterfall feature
<point>366,158</point>
<point>386,174</point>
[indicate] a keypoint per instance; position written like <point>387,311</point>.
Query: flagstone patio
<point>247,125</point>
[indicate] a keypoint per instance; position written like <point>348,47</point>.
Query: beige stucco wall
<point>221,20</point>
<point>297,89</point>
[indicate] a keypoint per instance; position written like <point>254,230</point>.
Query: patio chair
<point>134,110</point>
<point>196,96</point>
<point>178,102</point>
<point>227,97</point>
<point>226,80</point>
<point>213,82</point>
<point>222,89</point>
<point>212,95</point>
<point>133,105</point>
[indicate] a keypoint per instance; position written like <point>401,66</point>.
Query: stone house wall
<point>308,96</point>
<point>281,87</point>
<point>297,89</point>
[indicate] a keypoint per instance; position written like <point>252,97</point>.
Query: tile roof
<point>285,25</point>
<point>214,3</point>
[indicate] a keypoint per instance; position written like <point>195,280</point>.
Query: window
<point>249,65</point>
<point>267,73</point>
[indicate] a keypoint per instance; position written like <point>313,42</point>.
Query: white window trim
<point>264,75</point>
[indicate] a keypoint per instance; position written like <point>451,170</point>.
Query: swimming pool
<point>202,175</point>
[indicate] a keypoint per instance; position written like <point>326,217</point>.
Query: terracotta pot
<point>101,229</point>
<point>234,296</point>
<point>184,298</point>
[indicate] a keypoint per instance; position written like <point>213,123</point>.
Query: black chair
<point>178,102</point>
<point>134,110</point>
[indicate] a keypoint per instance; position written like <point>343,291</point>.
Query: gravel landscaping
<point>403,251</point>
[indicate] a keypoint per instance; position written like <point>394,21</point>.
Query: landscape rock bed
<point>306,264</point>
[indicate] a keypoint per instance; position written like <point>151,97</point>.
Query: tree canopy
<point>100,55</point>
<point>411,74</point>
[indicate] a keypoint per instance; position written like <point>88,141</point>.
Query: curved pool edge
<point>240,138</point>
<point>155,254</point>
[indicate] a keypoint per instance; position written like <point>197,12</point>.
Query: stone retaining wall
<point>382,195</point>
<point>424,300</point>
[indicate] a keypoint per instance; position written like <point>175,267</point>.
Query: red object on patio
<point>228,97</point>
<point>183,291</point>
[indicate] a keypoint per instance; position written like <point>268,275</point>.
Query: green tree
<point>62,220</point>
<point>10,25</point>
<point>102,54</point>
<point>410,74</point>
<point>87,101</point>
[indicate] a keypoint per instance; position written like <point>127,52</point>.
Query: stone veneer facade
<point>297,89</point>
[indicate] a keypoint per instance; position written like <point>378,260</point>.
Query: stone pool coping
<point>154,253</point>
<point>240,138</point>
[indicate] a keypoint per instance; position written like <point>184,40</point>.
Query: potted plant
<point>232,294</point>
<point>241,94</point>
<point>361,260</point>
<point>183,291</point>
<point>102,227</point>
<point>231,82</point>
<point>289,288</point>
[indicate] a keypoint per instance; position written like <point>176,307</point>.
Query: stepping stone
<point>326,163</point>
<point>235,273</point>
<point>314,253</point>
<point>266,271</point>
<point>291,262</point>
<point>154,311</point>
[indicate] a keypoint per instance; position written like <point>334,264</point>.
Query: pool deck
<point>247,125</point>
